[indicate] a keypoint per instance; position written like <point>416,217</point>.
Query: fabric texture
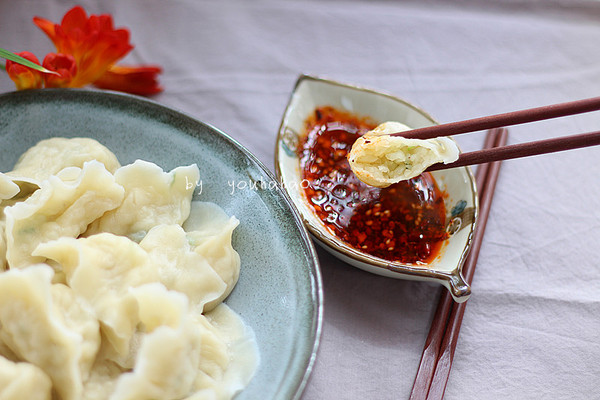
<point>531,328</point>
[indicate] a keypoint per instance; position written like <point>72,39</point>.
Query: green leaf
<point>23,61</point>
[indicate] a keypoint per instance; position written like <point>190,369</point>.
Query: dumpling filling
<point>381,160</point>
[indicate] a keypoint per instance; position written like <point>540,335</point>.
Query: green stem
<point>23,61</point>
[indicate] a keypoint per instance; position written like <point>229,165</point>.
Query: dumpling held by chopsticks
<point>380,160</point>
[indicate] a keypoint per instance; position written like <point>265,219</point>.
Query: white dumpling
<point>34,329</point>
<point>63,207</point>
<point>2,243</point>
<point>180,268</point>
<point>102,381</point>
<point>380,160</point>
<point>165,368</point>
<point>8,188</point>
<point>168,358</point>
<point>152,197</point>
<point>78,316</point>
<point>101,269</point>
<point>159,306</point>
<point>156,306</point>
<point>50,156</point>
<point>21,380</point>
<point>7,353</point>
<point>243,356</point>
<point>214,356</point>
<point>209,230</point>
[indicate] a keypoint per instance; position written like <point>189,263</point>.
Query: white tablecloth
<point>532,326</point>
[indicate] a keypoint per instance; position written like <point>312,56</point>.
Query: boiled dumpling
<point>8,188</point>
<point>209,230</point>
<point>35,329</point>
<point>21,380</point>
<point>156,306</point>
<point>101,269</point>
<point>180,268</point>
<point>169,355</point>
<point>380,160</point>
<point>243,356</point>
<point>78,316</point>
<point>152,197</point>
<point>102,380</point>
<point>166,366</point>
<point>50,156</point>
<point>2,243</point>
<point>159,306</point>
<point>63,207</point>
<point>214,356</point>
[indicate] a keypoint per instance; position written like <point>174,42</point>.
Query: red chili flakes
<point>404,222</point>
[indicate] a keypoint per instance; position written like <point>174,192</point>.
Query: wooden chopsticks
<point>506,119</point>
<point>438,352</point>
<point>522,150</point>
<point>512,118</point>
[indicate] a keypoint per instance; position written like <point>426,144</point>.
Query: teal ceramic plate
<point>279,292</point>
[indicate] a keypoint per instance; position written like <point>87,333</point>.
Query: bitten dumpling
<point>35,328</point>
<point>50,156</point>
<point>209,231</point>
<point>101,269</point>
<point>152,197</point>
<point>64,206</point>
<point>22,380</point>
<point>380,160</point>
<point>180,268</point>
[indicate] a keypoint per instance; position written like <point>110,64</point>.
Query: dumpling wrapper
<point>49,156</point>
<point>180,268</point>
<point>22,380</point>
<point>2,243</point>
<point>102,269</point>
<point>38,330</point>
<point>380,160</point>
<point>64,206</point>
<point>8,189</point>
<point>226,379</point>
<point>209,231</point>
<point>185,354</point>
<point>152,197</point>
<point>168,358</point>
<point>102,381</point>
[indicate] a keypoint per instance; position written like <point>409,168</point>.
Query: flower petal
<point>64,65</point>
<point>24,77</point>
<point>47,26</point>
<point>92,41</point>
<point>142,79</point>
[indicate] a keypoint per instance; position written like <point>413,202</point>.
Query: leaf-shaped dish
<point>458,184</point>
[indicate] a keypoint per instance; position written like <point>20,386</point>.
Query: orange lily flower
<point>93,42</point>
<point>140,80</point>
<point>64,65</point>
<point>24,77</point>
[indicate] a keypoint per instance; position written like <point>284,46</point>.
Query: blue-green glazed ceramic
<point>279,293</point>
